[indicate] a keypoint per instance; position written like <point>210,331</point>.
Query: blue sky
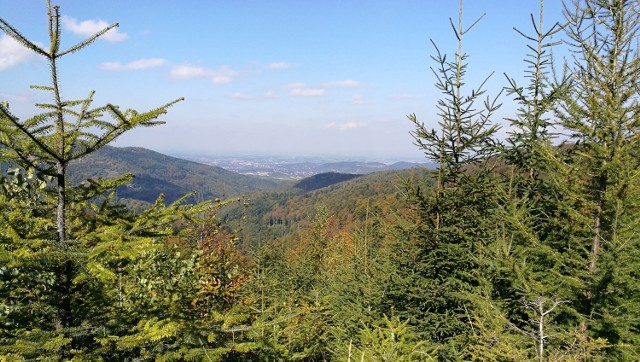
<point>278,77</point>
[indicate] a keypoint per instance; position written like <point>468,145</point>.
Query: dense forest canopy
<point>514,249</point>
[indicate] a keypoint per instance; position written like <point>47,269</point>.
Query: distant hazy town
<point>297,167</point>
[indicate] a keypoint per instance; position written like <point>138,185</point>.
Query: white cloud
<point>134,65</point>
<point>222,75</point>
<point>358,100</point>
<point>345,126</point>
<point>279,66</point>
<point>343,83</point>
<point>244,97</point>
<point>295,85</point>
<point>405,96</point>
<point>300,89</point>
<point>89,27</point>
<point>13,53</point>
<point>187,71</point>
<point>307,92</point>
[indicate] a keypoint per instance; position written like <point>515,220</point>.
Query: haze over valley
<point>427,208</point>
<point>295,168</point>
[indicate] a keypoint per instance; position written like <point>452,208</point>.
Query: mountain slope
<point>156,173</point>
<point>322,180</point>
<point>268,215</point>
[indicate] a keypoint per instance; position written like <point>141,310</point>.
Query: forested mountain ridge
<point>509,250</point>
<point>322,180</point>
<point>267,215</point>
<point>156,174</point>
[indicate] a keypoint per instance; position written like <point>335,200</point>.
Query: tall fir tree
<point>438,253</point>
<point>602,117</point>
<point>71,264</point>
<point>525,252</point>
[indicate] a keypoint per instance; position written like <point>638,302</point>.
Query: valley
<point>522,244</point>
<point>296,168</point>
<point>211,177</point>
<point>269,198</point>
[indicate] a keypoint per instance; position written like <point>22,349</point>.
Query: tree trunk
<point>62,204</point>
<point>601,189</point>
<point>65,272</point>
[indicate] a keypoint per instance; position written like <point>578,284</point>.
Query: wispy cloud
<point>244,97</point>
<point>303,90</point>
<point>279,66</point>
<point>342,83</point>
<point>13,53</point>
<point>406,96</point>
<point>308,92</point>
<point>134,65</point>
<point>222,75</point>
<point>358,100</point>
<point>345,126</point>
<point>295,85</point>
<point>90,27</point>
<point>14,97</point>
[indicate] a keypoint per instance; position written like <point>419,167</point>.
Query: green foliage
<point>89,280</point>
<point>515,252</point>
<point>438,248</point>
<point>532,215</point>
<point>531,132</point>
<point>391,341</point>
<point>465,134</point>
<point>559,215</point>
<point>286,212</point>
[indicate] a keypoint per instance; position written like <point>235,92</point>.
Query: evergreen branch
<point>455,30</point>
<point>474,24</point>
<point>46,106</point>
<point>54,29</point>
<point>30,160</point>
<point>88,41</point>
<point>38,119</point>
<point>525,35</point>
<point>126,123</point>
<point>100,124</point>
<point>12,32</point>
<point>85,105</point>
<point>42,87</point>
<point>42,129</point>
<point>26,132</point>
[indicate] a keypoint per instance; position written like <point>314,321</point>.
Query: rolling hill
<point>271,208</point>
<point>322,180</point>
<point>156,173</point>
<point>271,214</point>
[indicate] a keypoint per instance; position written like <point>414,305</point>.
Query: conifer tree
<point>525,251</point>
<point>438,253</point>
<point>602,117</point>
<point>553,198</point>
<point>49,141</point>
<point>357,282</point>
<point>65,257</point>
